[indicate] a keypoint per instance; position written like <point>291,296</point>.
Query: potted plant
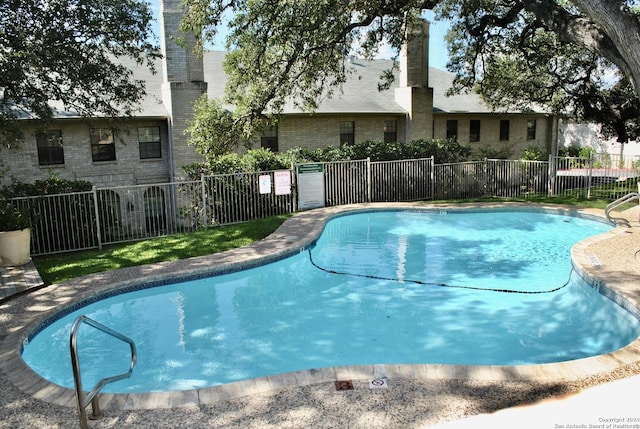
<point>15,235</point>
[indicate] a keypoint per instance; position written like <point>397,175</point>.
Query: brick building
<point>151,147</point>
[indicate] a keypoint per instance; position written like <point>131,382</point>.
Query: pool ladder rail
<point>617,203</point>
<point>92,396</point>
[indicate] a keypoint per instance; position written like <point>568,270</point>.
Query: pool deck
<point>413,396</point>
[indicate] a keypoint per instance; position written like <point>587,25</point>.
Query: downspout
<point>172,170</point>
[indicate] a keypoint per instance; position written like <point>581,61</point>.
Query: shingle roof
<point>359,94</point>
<point>150,106</point>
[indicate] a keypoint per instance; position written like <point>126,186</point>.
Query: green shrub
<point>262,159</point>
<point>533,154</point>
<point>569,151</point>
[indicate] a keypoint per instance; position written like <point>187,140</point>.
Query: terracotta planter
<point>15,248</point>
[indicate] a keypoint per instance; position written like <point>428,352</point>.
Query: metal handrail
<point>92,396</point>
<point>617,203</point>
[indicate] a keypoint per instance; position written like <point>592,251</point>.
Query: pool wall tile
<point>302,377</point>
<point>289,379</point>
<point>110,401</point>
<point>319,375</point>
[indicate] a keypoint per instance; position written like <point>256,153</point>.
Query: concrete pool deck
<point>417,395</point>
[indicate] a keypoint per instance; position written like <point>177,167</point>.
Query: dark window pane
<point>347,133</point>
<point>531,129</point>
<point>390,131</point>
<point>452,129</point>
<point>149,142</point>
<point>50,148</point>
<point>504,129</point>
<point>103,147</point>
<point>474,130</point>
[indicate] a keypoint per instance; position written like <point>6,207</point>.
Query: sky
<point>438,55</point>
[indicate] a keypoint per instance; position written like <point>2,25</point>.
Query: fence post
<point>204,202</point>
<point>294,189</point>
<point>368,179</point>
<point>433,177</point>
<point>590,175</point>
<point>97,215</point>
<point>551,176</point>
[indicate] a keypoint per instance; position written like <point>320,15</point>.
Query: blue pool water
<point>474,288</point>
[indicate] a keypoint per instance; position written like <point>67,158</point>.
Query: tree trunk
<point>620,24</point>
<point>610,29</point>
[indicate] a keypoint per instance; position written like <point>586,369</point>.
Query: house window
<point>149,142</point>
<point>347,133</point>
<point>452,129</point>
<point>50,149</point>
<point>269,138</point>
<point>390,131</point>
<point>474,130</point>
<point>103,147</point>
<point>504,130</point>
<point>531,129</point>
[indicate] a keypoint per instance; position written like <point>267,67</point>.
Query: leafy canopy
<point>67,51</point>
<point>293,51</point>
<point>519,53</point>
<point>515,56</point>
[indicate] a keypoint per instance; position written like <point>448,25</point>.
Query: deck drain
<point>344,385</point>
<point>378,383</point>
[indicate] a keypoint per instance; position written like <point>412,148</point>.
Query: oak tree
<point>283,50</point>
<point>63,55</point>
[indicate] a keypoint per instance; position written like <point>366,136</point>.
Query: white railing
<point>599,176</point>
<point>91,219</point>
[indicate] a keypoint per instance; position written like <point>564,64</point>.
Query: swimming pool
<point>377,297</point>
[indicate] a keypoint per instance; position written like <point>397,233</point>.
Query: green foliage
<point>50,186</point>
<point>552,55</point>
<point>585,152</point>
<point>36,212</point>
<point>527,56</point>
<point>213,130</point>
<point>493,153</point>
<point>11,217</point>
<point>570,151</point>
<point>63,50</point>
<point>533,153</point>
<point>264,160</point>
<point>294,51</point>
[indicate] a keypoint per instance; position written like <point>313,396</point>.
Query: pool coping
<point>294,235</point>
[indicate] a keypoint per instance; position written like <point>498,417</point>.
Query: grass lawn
<point>64,266</point>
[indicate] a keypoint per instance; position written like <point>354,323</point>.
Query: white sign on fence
<point>282,182</point>
<point>310,186</point>
<point>265,184</point>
